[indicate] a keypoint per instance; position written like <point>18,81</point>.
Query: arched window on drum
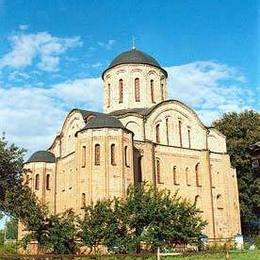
<point>137,90</point>
<point>121,91</point>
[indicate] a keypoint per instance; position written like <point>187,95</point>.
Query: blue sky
<point>52,53</point>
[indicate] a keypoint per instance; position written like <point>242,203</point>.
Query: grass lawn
<point>236,255</point>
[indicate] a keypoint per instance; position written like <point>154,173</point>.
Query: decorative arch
<point>176,103</point>
<point>152,72</point>
<point>134,127</point>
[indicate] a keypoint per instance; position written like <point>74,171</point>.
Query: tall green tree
<point>242,130</point>
<point>17,200</point>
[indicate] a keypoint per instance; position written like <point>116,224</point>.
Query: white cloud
<point>32,115</point>
<point>27,48</point>
<point>209,87</point>
<point>107,45</point>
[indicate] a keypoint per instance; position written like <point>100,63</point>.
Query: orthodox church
<point>140,136</point>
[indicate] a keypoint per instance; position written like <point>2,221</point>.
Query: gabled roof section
<point>95,120</point>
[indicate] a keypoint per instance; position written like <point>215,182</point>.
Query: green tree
<point>101,226</point>
<point>242,130</point>
<point>60,234</point>
<point>155,218</point>
<point>55,233</point>
<point>17,200</point>
<point>159,218</point>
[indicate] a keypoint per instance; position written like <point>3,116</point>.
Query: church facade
<point>141,136</point>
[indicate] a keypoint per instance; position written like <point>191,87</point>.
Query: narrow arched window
<point>83,200</point>
<point>48,177</point>
<point>126,156</point>
<point>175,177</point>
<point>180,133</point>
<point>108,95</point>
<point>83,156</point>
<point>113,159</point>
<point>158,171</point>
<point>197,202</point>
<point>97,154</point>
<point>188,177</point>
<point>152,90</point>
<point>137,90</point>
<point>139,170</point>
<point>197,173</point>
<point>189,139</point>
<point>121,91</point>
<point>220,202</point>
<point>162,91</point>
<point>157,133</point>
<point>37,182</point>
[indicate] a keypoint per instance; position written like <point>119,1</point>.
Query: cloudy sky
<point>52,53</point>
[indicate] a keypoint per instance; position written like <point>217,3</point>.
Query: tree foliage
<point>242,130</point>
<point>61,233</point>
<point>102,225</point>
<point>17,200</point>
<point>145,216</point>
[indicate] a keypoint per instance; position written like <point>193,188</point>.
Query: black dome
<point>134,56</point>
<point>42,156</point>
